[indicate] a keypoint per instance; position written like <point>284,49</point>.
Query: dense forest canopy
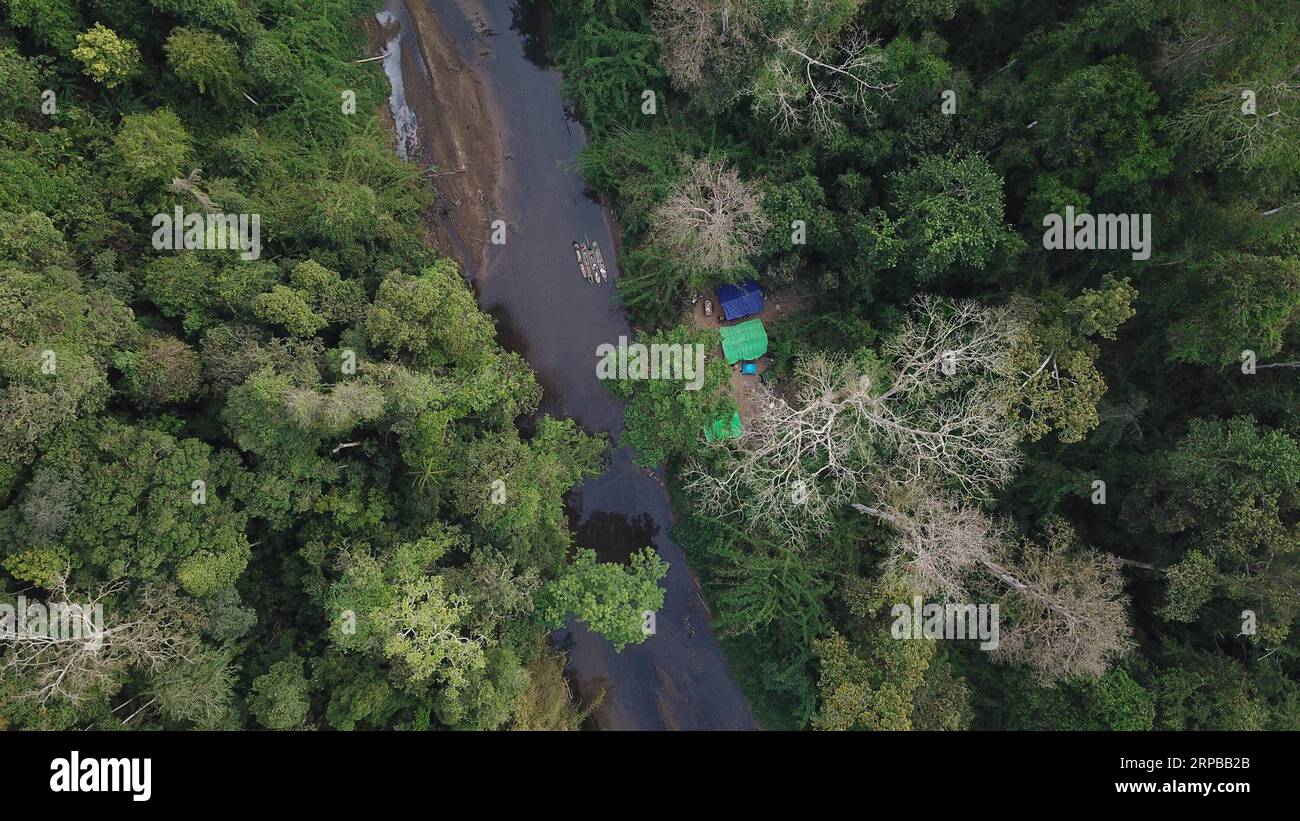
<point>287,459</point>
<point>1099,436</point>
<point>287,474</point>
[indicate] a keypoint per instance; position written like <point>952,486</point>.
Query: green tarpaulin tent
<point>724,428</point>
<point>744,340</point>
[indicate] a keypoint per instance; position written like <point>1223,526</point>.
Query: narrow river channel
<point>677,679</point>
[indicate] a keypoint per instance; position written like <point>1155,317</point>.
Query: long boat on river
<point>599,263</point>
<point>583,267</point>
<point>590,262</point>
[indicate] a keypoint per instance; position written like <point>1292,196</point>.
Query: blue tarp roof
<point>740,301</point>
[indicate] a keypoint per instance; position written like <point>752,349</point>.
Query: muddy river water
<point>546,311</point>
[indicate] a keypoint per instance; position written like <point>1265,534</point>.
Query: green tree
<point>1061,383</point>
<point>139,513</point>
<point>950,214</point>
<point>56,340</point>
<point>199,692</point>
<point>152,148</point>
<point>395,608</point>
<point>53,23</point>
<point>281,697</point>
<point>205,60</point>
<point>164,371</point>
<point>285,307</point>
<point>666,418</point>
<point>873,693</point>
<point>105,57</point>
<point>1221,506</point>
<point>513,488</point>
<point>1238,302</point>
<point>1100,128</point>
<point>1112,702</point>
<point>609,597</point>
<point>432,318</point>
<point>606,70</point>
<point>21,92</point>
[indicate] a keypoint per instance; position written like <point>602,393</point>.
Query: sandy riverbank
<point>456,140</point>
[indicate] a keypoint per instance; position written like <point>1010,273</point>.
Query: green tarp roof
<point>744,340</point>
<point>724,428</point>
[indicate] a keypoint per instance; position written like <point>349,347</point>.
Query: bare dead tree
<point>711,219</point>
<point>811,83</point>
<point>1215,120</point>
<point>702,38</point>
<point>923,436</point>
<point>798,461</point>
<point>85,654</point>
<point>1069,611</point>
<point>687,33</point>
<point>964,336</point>
<point>190,185</point>
<point>805,74</point>
<point>1189,48</point>
<point>939,541</point>
<point>946,407</point>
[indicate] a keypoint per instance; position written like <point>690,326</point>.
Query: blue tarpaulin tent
<point>739,301</point>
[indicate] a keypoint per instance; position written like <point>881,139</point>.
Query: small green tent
<point>724,428</point>
<point>744,340</point>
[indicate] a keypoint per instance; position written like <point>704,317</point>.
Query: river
<point>677,679</point>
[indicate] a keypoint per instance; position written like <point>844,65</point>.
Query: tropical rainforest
<point>1102,439</point>
<point>307,488</point>
<point>289,487</point>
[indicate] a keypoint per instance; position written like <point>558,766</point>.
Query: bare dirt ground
<point>775,306</point>
<point>457,139</point>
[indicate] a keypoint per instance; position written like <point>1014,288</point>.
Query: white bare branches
<point>712,219</point>
<point>1070,612</point>
<point>701,37</point>
<point>1067,603</point>
<point>190,185</point>
<point>687,30</point>
<point>806,71</point>
<point>798,463</point>
<point>939,542</point>
<point>1190,48</point>
<point>90,648</point>
<point>948,411</point>
<point>966,337</point>
<point>923,436</point>
<point>810,83</point>
<point>1215,120</point>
